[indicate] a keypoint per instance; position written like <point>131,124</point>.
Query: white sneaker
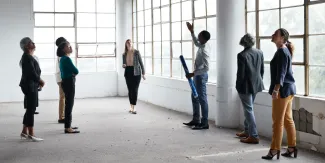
<point>35,139</point>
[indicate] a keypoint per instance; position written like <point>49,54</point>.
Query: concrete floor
<point>109,134</point>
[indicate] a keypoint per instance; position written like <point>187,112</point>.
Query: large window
<point>263,17</point>
<point>89,26</point>
<point>161,35</point>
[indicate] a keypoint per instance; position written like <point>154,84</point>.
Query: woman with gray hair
<point>249,82</point>
<point>29,83</point>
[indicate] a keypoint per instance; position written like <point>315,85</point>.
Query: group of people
<point>249,82</point>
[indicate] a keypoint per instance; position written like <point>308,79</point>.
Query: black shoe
<point>36,112</point>
<point>270,155</point>
<point>192,123</point>
<point>61,121</point>
<point>289,153</point>
<point>75,128</point>
<point>72,132</point>
<point>201,127</point>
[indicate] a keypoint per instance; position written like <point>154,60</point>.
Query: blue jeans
<point>250,123</point>
<point>200,82</point>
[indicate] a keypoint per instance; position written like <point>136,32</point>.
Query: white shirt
<point>202,59</point>
<point>58,72</point>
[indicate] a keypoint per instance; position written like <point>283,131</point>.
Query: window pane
<point>135,34</point>
<point>177,49</point>
<point>164,2</point>
<point>105,35</point>
<point>148,63</point>
<point>165,49</point>
<point>44,19</point>
<point>157,65</point>
<point>176,31</point>
<point>45,51</point>
<point>176,68</point>
<point>140,18</point>
<point>105,64</point>
<point>212,7</point>
<point>105,6</point>
<point>200,8</point>
<point>134,7</point>
<point>43,5</point>
<point>140,5</point>
<point>176,12</point>
<point>298,55</point>
<point>135,45</point>
<point>316,18</point>
<point>299,75</point>
<point>156,15</point>
<point>156,33</point>
<point>105,20</point>
<point>187,49</point>
<point>212,72</point>
<point>66,20</point>
<point>157,49</point>
<point>293,22</point>
<point>47,65</point>
<point>286,3</point>
<point>267,76</point>
<point>86,20</point>
<point>186,34</point>
<point>212,24</point>
<point>87,49</point>
<point>213,50</point>
<point>166,67</point>
<point>141,49</point>
<point>267,4</point>
<point>68,33</point>
<point>148,17</point>
<point>175,1</point>
<point>165,14</point>
<point>148,49</point>
<point>147,4</point>
<point>316,81</point>
<point>86,5</point>
<point>106,49</point>
<point>187,10</point>
<point>44,35</point>
<point>86,64</point>
<point>64,5</point>
<point>269,22</point>
<point>73,47</point>
<point>134,19</point>
<point>165,32</point>
<point>156,3</point>
<point>148,34</point>
<point>199,24</point>
<point>251,5</point>
<point>86,34</point>
<point>251,23</point>
<point>268,49</point>
<point>316,50</point>
<point>141,34</point>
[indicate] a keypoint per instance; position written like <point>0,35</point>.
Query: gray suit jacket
<point>137,63</point>
<point>250,71</point>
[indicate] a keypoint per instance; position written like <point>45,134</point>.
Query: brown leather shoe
<point>250,140</point>
<point>242,134</point>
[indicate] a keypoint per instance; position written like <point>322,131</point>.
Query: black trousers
<point>30,103</point>
<point>132,83</point>
<point>68,86</point>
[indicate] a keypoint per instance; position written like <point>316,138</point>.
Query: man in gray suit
<point>249,82</point>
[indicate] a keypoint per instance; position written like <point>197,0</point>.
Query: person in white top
<point>59,81</point>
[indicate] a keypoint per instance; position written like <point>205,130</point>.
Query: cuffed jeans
<point>200,82</point>
<point>248,105</point>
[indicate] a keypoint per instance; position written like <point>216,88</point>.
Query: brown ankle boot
<point>250,140</point>
<point>242,134</point>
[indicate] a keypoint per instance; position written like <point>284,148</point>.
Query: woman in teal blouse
<point>68,73</point>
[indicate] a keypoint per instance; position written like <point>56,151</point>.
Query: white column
<point>230,28</point>
<point>123,32</point>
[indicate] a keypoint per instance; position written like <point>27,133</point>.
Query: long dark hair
<point>60,51</point>
<point>284,33</point>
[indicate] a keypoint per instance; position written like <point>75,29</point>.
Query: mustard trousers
<point>282,116</point>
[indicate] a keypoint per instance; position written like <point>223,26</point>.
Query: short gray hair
<point>24,42</point>
<point>247,41</point>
